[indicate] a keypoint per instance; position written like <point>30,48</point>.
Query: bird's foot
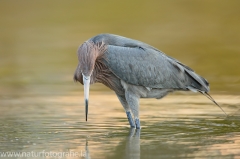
<point>137,122</point>
<point>130,119</point>
<point>131,132</point>
<point>134,132</point>
<point>138,132</point>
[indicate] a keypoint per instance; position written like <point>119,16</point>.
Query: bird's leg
<point>130,119</point>
<point>125,105</point>
<point>133,102</point>
<point>137,122</point>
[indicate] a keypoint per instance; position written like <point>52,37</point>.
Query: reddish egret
<point>133,70</point>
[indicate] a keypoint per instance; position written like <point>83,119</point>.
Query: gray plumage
<point>134,70</point>
<point>140,64</point>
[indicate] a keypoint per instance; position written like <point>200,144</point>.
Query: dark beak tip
<point>86,108</point>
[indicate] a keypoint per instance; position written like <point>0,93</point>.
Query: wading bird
<point>133,70</point>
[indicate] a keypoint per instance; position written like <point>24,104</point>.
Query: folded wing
<point>151,68</point>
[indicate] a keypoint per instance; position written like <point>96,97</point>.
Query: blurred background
<point>39,39</point>
<point>42,108</point>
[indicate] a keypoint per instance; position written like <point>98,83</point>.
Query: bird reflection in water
<point>131,144</point>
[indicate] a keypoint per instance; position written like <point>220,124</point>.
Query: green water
<point>42,109</point>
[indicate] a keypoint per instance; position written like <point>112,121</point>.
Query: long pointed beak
<point>86,82</point>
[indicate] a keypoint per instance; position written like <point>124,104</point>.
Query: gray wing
<point>141,64</point>
<point>149,68</point>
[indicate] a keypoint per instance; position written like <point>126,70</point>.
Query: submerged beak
<point>86,82</point>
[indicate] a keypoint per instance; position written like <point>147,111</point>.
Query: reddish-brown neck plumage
<point>88,53</point>
<point>91,63</point>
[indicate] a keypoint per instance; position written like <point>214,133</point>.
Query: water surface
<point>177,126</point>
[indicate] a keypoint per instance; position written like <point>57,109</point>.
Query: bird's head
<point>87,56</point>
<point>88,53</point>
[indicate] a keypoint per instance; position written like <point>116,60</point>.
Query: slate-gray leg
<point>125,105</point>
<point>133,101</point>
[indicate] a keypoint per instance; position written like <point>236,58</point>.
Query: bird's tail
<point>199,84</point>
<point>209,97</point>
<point>195,82</point>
